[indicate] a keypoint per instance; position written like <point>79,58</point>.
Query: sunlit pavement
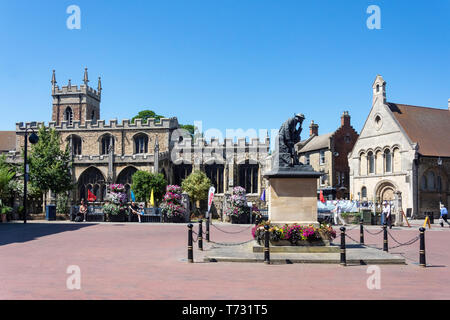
<point>148,261</point>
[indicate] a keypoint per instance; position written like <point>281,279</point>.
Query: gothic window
<point>76,145</point>
<point>125,178</point>
<point>68,116</point>
<point>180,172</point>
<point>141,143</point>
<point>363,192</point>
<point>431,183</point>
<point>215,173</point>
<point>248,177</point>
<point>371,162</point>
<point>439,184</point>
<point>388,160</point>
<point>93,116</point>
<point>424,183</point>
<point>91,179</point>
<point>105,143</point>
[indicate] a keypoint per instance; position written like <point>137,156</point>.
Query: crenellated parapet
<point>201,151</point>
<point>163,123</point>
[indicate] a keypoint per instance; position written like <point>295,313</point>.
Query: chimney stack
<point>345,119</point>
<point>313,129</point>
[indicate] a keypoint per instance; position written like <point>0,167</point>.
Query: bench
<point>94,214</point>
<point>150,215</point>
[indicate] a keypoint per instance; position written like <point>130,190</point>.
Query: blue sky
<point>232,64</point>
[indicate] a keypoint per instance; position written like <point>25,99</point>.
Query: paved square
<point>148,261</point>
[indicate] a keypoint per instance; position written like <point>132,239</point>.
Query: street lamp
<point>439,162</point>
<point>33,140</point>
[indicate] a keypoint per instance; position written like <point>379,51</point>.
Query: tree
<point>145,115</point>
<point>49,165</point>
<point>196,185</point>
<point>6,176</point>
<point>144,182</point>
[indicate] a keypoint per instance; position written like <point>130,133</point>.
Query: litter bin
<point>50,212</point>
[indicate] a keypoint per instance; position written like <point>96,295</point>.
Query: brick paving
<point>147,261</point>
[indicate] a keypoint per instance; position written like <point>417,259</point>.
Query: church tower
<point>73,103</point>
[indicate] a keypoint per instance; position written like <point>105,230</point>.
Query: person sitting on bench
<point>83,210</point>
<point>135,209</point>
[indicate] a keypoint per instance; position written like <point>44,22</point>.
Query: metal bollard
<point>200,234</point>
<point>190,248</point>
<point>422,260</point>
<point>343,256</point>
<point>266,245</point>
<point>385,238</point>
<point>207,229</point>
<point>361,231</point>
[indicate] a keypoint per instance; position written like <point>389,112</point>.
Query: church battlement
<point>164,123</point>
<point>242,143</point>
<point>74,89</point>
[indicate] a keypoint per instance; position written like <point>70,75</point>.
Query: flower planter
<point>175,219</point>
<point>299,243</point>
<point>121,217</point>
<point>242,219</point>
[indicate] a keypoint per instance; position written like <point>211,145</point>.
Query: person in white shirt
<point>337,213</point>
<point>387,214</point>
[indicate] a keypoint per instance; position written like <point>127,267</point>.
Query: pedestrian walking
<point>386,214</point>
<point>337,213</point>
<point>444,215</point>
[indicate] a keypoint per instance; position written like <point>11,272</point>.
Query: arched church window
<point>215,173</point>
<point>371,161</point>
<point>141,143</point>
<point>363,192</point>
<point>68,116</point>
<point>388,161</point>
<point>106,142</point>
<point>423,183</point>
<point>248,177</point>
<point>76,145</point>
<point>431,181</point>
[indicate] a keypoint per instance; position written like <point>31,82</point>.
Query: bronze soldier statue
<point>288,136</point>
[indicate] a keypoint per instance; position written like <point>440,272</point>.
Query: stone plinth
<point>293,195</point>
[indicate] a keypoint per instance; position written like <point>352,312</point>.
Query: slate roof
<point>316,143</point>
<point>429,127</point>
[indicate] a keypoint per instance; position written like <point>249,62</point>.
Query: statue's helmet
<point>300,116</point>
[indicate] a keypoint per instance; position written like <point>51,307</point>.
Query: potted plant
<point>116,204</point>
<point>4,210</point>
<point>171,205</point>
<point>237,211</point>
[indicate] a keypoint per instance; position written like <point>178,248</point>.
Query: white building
<point>405,149</point>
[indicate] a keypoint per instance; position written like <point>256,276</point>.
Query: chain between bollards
<point>200,235</point>
<point>422,260</point>
<point>190,248</point>
<point>385,238</point>
<point>361,231</point>
<point>207,228</point>
<point>343,256</point>
<point>266,245</point>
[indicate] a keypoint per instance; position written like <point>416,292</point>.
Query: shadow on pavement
<point>16,232</point>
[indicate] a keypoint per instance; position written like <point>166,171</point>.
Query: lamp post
<point>439,162</point>
<point>33,140</point>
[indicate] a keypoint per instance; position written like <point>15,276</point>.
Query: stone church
<point>402,151</point>
<point>105,153</point>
